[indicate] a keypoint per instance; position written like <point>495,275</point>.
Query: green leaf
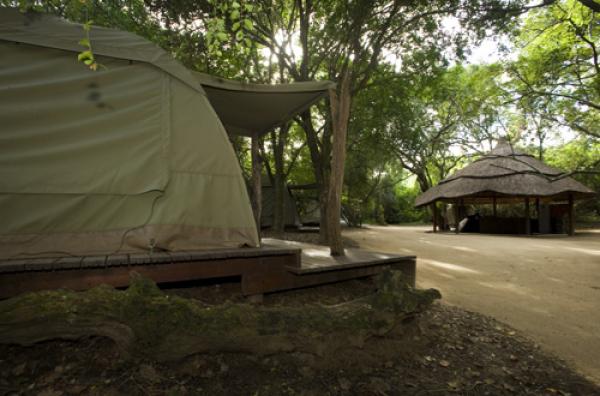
<point>235,14</point>
<point>248,24</point>
<point>88,61</point>
<point>235,26</point>
<point>85,55</point>
<point>222,36</point>
<point>235,4</point>
<point>84,42</point>
<point>239,35</point>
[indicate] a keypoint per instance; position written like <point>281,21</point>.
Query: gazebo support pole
<point>456,219</point>
<point>434,211</point>
<point>571,216</point>
<point>256,183</point>
<point>527,221</point>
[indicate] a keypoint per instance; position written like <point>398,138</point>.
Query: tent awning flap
<point>250,109</point>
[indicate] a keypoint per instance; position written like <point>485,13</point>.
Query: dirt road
<point>545,286</point>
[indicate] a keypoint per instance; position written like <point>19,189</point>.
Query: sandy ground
<point>546,286</point>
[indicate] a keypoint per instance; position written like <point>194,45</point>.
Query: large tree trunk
<point>423,181</point>
<point>145,323</point>
<point>340,114</point>
<point>279,140</point>
<point>256,182</point>
<point>319,160</point>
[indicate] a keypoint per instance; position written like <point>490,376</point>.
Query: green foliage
<point>557,75</point>
<point>581,156</point>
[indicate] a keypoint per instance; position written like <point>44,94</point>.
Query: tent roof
<point>245,109</point>
<point>505,172</point>
<point>54,32</point>
<point>250,109</point>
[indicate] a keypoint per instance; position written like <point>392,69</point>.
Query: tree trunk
<point>423,181</point>
<point>340,114</point>
<point>145,323</point>
<point>319,160</point>
<point>279,141</point>
<point>256,182</point>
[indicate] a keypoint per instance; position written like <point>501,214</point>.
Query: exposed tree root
<point>143,321</point>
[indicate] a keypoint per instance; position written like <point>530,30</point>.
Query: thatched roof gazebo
<point>506,175</point>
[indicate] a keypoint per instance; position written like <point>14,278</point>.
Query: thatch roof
<point>505,173</point>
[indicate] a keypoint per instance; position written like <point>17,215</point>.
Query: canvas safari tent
<point>509,176</point>
<point>130,158</point>
<point>291,218</point>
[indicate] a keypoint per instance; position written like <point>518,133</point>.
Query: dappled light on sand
<point>511,287</point>
<point>593,252</point>
<point>448,266</point>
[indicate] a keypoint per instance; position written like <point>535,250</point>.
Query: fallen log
<point>145,322</point>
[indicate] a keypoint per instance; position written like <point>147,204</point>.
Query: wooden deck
<point>277,265</point>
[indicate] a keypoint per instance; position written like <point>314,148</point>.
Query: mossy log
<point>144,322</point>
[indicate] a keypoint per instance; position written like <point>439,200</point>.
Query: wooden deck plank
<point>316,258</point>
<point>278,265</point>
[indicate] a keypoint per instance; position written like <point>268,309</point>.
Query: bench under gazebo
<point>509,176</point>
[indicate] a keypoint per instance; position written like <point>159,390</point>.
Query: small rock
<point>76,389</point>
<point>148,373</point>
<point>508,387</point>
<point>20,369</point>
<point>307,372</point>
<point>50,392</point>
<point>444,363</point>
<point>208,373</point>
<point>378,386</point>
<point>345,384</point>
<point>473,373</point>
<point>454,385</point>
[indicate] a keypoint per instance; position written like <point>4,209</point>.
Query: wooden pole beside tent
<point>527,220</point>
<point>256,183</point>
<point>571,230</point>
<point>435,216</point>
<point>456,219</point>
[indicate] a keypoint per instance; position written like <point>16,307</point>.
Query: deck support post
<point>527,221</point>
<point>256,183</point>
<point>435,215</point>
<point>571,229</point>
